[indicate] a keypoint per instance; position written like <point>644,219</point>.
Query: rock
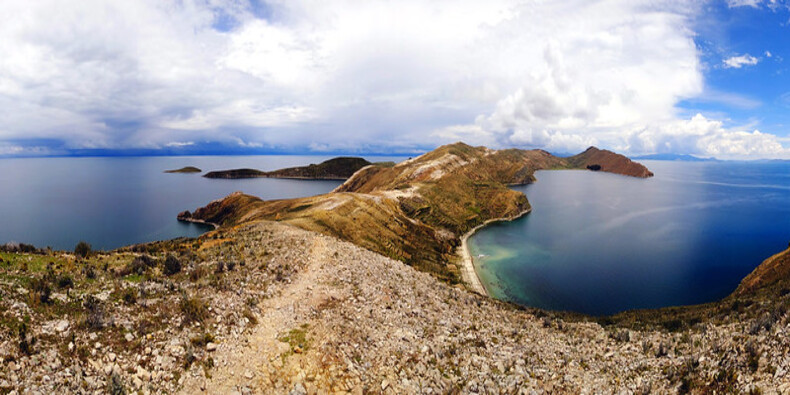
<point>298,390</point>
<point>211,346</point>
<point>108,369</point>
<point>61,326</point>
<point>71,346</point>
<point>249,375</point>
<point>129,337</point>
<point>143,374</point>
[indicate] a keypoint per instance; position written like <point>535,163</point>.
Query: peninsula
<point>417,211</point>
<point>332,169</point>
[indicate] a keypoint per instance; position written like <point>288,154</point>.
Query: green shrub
<point>172,265</point>
<point>65,281</point>
<point>94,313</point>
<point>115,385</point>
<point>202,340</point>
<point>82,249</point>
<point>129,295</point>
<point>193,308</point>
<point>138,265</point>
<point>40,291</point>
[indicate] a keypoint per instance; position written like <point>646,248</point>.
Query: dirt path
<point>256,360</point>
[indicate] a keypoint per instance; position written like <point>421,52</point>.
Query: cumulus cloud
<point>706,137</point>
<point>736,62</point>
<point>346,75</point>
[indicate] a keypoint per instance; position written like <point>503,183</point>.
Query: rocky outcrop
<point>333,169</point>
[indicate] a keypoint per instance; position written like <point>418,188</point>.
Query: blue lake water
<point>600,243</point>
<point>112,202</point>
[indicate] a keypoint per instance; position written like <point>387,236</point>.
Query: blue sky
<point>755,92</point>
<point>150,77</point>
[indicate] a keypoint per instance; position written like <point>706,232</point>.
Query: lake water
<point>600,243</point>
<point>112,202</point>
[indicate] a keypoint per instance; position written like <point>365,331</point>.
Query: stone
<point>129,337</point>
<point>61,326</point>
<point>211,346</point>
<point>298,390</point>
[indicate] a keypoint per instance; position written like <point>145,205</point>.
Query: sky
<point>150,77</point>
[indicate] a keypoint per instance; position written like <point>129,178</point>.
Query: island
<point>187,169</point>
<point>333,169</point>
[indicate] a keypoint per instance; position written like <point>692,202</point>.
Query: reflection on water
<point>600,243</point>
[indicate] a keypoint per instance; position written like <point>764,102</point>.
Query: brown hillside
<point>610,162</point>
<point>773,270</point>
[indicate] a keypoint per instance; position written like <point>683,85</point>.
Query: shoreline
<point>468,272</point>
<point>199,221</point>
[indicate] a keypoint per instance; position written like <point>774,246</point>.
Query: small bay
<point>600,243</point>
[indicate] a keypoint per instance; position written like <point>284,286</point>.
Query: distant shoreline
<point>468,271</point>
<point>199,221</point>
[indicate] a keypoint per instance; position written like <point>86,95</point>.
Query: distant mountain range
<point>675,157</point>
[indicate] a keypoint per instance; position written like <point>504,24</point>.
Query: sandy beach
<point>468,272</point>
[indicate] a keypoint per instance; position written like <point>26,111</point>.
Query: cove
<point>599,243</point>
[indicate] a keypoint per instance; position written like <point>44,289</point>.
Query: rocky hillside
<point>774,271</point>
<point>603,160</point>
<point>417,210</point>
<point>332,169</point>
<point>269,308</point>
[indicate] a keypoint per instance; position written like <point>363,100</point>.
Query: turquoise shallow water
<point>112,202</point>
<point>600,243</point>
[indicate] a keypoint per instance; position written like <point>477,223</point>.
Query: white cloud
<point>768,54</point>
<point>702,136</point>
<point>736,62</point>
<point>338,74</point>
<point>180,144</point>
<point>744,3</point>
<point>772,4</point>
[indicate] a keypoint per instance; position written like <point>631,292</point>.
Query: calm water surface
<point>599,243</point>
<point>112,202</point>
